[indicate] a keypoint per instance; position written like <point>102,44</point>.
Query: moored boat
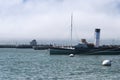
<point>86,48</point>
<point>86,51</point>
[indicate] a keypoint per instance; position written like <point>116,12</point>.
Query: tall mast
<point>71,27</point>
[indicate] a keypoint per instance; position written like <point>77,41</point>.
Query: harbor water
<point>28,64</point>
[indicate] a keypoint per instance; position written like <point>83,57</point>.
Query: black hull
<point>61,51</point>
<point>95,51</point>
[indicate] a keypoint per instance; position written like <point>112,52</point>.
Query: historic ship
<point>85,48</point>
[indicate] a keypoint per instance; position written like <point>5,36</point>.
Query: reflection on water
<point>27,64</point>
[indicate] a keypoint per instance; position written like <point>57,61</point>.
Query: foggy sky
<point>50,19</point>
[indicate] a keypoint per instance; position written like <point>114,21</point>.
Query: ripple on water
<point>19,64</point>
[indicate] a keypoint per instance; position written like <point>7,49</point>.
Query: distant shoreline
<point>15,46</point>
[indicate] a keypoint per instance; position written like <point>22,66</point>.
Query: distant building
<point>33,42</point>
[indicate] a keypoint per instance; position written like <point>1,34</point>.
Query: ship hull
<point>85,51</point>
<point>61,51</point>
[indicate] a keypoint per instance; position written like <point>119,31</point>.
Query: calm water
<point>27,64</point>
